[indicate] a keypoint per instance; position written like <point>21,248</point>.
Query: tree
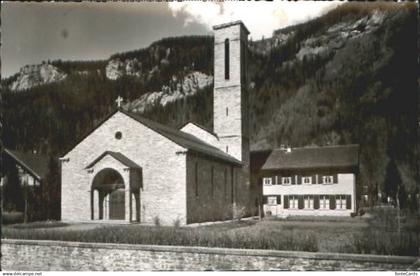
<point>392,182</point>
<point>51,190</point>
<point>12,190</point>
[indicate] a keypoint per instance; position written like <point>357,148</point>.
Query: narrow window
<point>196,178</point>
<point>267,181</point>
<point>225,184</point>
<point>227,59</point>
<point>324,202</point>
<point>227,111</point>
<point>231,186</point>
<point>286,180</point>
<point>308,202</point>
<point>272,200</point>
<point>227,149</point>
<point>340,202</point>
<point>327,179</point>
<point>293,202</point>
<point>212,180</point>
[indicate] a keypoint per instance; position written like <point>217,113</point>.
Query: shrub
<point>209,237</point>
<point>177,223</point>
<point>12,217</point>
<point>387,243</point>
<point>156,221</point>
<point>40,224</point>
<point>239,212</point>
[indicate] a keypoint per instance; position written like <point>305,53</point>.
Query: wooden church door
<point>117,205</point>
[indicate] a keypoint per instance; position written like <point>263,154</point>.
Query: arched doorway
<point>110,186</point>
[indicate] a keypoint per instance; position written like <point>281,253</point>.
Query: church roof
<point>179,137</point>
<point>199,126</point>
<point>344,157</point>
<point>117,155</point>
<point>183,139</point>
<point>35,164</point>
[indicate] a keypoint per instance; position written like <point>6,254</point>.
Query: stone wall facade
<point>18,255</point>
<point>163,193</point>
<point>231,104</point>
<point>210,189</point>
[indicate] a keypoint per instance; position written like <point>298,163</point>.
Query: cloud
<point>260,17</point>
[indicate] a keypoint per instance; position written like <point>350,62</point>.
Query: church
<point>132,169</point>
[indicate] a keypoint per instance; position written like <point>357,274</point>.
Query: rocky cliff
<point>35,75</point>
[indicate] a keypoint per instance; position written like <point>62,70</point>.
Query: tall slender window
<point>225,192</point>
<point>231,186</point>
<point>196,178</point>
<point>227,62</point>
<point>212,181</point>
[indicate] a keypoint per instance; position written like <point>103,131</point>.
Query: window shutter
<point>332,202</point>
<point>316,201</point>
<point>293,179</point>
<point>286,202</point>
<point>335,178</point>
<point>319,179</point>
<point>264,199</point>
<point>299,179</point>
<point>348,201</point>
<point>278,199</point>
<point>300,202</point>
<point>314,179</point>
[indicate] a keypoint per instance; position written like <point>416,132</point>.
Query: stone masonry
<point>73,256</point>
<point>164,171</point>
<point>231,112</point>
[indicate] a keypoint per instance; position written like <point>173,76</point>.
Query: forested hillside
<point>346,77</point>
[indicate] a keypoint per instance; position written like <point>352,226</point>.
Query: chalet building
<point>31,170</point>
<point>132,169</point>
<point>312,181</point>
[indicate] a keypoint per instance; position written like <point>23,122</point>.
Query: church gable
<point>118,133</point>
<point>122,159</point>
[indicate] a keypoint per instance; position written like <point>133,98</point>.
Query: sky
<point>36,32</point>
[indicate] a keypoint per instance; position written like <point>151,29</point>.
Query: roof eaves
<point>177,132</point>
<point>200,126</point>
<point>116,155</point>
<point>22,163</point>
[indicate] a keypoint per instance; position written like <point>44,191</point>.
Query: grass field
<point>346,235</point>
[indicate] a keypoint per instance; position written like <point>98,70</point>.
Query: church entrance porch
<point>110,187</point>
<point>115,188</point>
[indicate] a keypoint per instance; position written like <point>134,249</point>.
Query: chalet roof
<point>118,156</point>
<point>329,157</point>
<point>35,164</point>
<point>258,159</point>
<point>183,139</point>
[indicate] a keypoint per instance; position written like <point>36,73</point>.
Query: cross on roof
<point>119,100</point>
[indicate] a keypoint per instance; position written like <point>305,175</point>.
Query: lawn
<point>349,235</point>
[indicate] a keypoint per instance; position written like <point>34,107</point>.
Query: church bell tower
<point>230,100</point>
